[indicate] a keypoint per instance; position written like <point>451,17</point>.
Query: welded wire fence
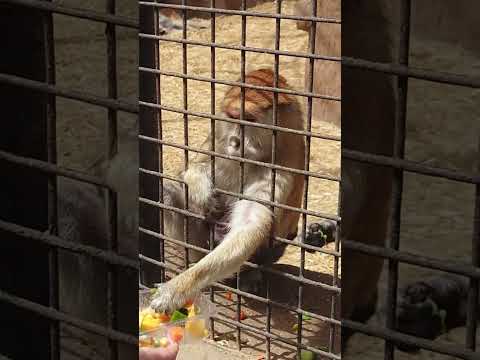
<point>154,130</point>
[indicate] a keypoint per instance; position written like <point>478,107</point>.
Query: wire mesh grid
<point>110,331</point>
<point>234,302</point>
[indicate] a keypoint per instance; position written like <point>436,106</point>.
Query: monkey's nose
<point>234,141</point>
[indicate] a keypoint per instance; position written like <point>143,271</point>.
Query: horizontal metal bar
<point>56,315</point>
<point>238,84</point>
<point>240,159</point>
<point>241,12</point>
<point>52,169</point>
<point>421,74</point>
<point>108,257</point>
<point>76,12</point>
<point>411,166</point>
<point>69,94</point>
<point>237,121</point>
<point>298,279</point>
<point>251,198</point>
<point>240,48</point>
<point>286,241</point>
<point>395,336</point>
<point>274,337</point>
<point>228,288</point>
<point>414,259</point>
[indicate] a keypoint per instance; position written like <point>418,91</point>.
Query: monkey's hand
<point>170,296</point>
<point>201,196</point>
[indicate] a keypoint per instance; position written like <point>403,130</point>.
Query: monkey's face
<point>257,141</point>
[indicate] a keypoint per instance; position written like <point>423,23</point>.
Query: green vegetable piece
<point>307,355</point>
<point>306,317</point>
<point>177,316</point>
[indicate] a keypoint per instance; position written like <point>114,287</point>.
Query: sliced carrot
<point>188,303</point>
<point>243,316</point>
<point>176,334</point>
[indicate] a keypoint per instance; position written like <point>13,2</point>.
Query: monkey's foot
<point>419,315</point>
<point>169,298</point>
<point>321,233</point>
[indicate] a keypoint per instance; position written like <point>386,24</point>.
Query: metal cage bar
<point>393,242</point>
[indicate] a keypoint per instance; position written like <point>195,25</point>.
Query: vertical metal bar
<point>398,152</point>
<point>212,134</point>
<point>335,282</point>
<point>278,10</point>
<point>185,126</point>
<point>149,154</point>
<point>313,30</point>
<point>242,147</point>
<point>110,196</point>
<point>472,310</point>
<point>49,41</point>
<point>158,119</point>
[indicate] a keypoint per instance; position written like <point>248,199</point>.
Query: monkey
<point>249,223</point>
<point>366,117</point>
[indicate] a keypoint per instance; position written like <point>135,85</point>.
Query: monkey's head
<point>258,109</point>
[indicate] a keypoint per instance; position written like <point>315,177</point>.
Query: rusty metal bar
<point>299,279</point>
<point>49,41</point>
<point>240,48</point>
<point>108,257</point>
<point>243,12</point>
<point>414,259</point>
<point>412,72</point>
<point>242,149</point>
<point>185,125</point>
<point>411,166</point>
<point>236,121</point>
<point>56,315</point>
<point>240,83</point>
<point>213,134</point>
<point>110,196</point>
<point>260,201</point>
<point>308,141</point>
<point>52,169</point>
<point>68,94</point>
<point>76,12</point>
<point>283,240</point>
<point>393,241</point>
<point>241,159</point>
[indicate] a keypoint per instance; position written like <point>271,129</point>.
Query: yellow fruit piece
<point>163,342</point>
<point>195,327</point>
<point>149,322</point>
<point>145,341</point>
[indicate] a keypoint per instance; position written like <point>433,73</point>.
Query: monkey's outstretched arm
<point>250,226</point>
